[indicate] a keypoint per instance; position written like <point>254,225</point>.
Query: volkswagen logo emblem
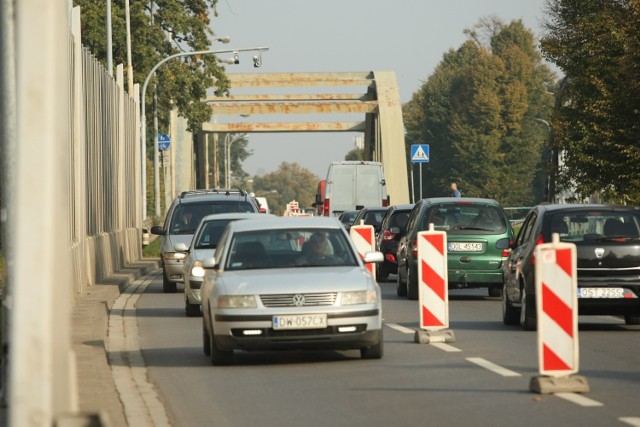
<point>298,300</point>
<point>599,252</point>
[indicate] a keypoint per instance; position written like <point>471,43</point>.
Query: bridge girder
<point>379,103</point>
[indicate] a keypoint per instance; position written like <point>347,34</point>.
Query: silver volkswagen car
<point>289,283</point>
<point>203,245</point>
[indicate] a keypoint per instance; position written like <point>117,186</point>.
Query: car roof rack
<point>225,191</point>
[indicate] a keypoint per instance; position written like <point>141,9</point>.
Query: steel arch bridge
<point>378,101</point>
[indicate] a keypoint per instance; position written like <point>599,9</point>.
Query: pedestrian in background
<point>454,190</point>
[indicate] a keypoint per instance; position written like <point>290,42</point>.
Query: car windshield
<point>187,216</point>
<point>210,233</point>
<point>465,218</point>
<point>595,226</point>
<point>289,248</point>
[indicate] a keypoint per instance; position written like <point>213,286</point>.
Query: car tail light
<point>390,257</point>
<point>385,203</point>
<point>628,294</point>
<point>326,207</point>
<point>414,248</point>
<point>539,241</point>
<point>387,235</point>
<point>505,245</point>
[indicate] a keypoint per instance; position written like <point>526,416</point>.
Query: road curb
<point>97,393</point>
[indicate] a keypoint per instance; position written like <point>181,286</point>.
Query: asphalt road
<point>481,379</point>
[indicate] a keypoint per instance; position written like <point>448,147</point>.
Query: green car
<point>479,238</point>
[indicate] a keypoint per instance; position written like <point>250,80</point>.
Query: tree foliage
<point>477,112</point>
<point>160,29</point>
<point>289,182</point>
<point>597,122</point>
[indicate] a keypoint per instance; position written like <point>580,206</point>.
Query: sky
<point>408,37</point>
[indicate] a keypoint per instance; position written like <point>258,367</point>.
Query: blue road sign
<point>420,153</point>
<point>163,142</point>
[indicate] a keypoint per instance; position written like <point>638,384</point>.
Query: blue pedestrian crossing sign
<point>163,142</point>
<point>420,153</point>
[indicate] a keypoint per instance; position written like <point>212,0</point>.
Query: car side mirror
<point>157,230</point>
<point>373,256</point>
<point>180,247</point>
<point>209,263</point>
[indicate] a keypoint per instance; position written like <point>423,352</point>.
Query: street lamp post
<point>227,158</point>
<point>143,124</point>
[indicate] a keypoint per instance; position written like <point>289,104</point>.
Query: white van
<point>353,185</point>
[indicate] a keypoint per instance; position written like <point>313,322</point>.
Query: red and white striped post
<point>557,317</point>
<point>433,288</point>
<point>364,237</point>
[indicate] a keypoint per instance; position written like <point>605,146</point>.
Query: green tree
<point>289,182</point>
<point>597,123</point>
<point>355,154</point>
<point>477,112</point>
<point>158,30</point>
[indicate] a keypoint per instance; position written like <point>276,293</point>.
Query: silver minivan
<point>353,185</point>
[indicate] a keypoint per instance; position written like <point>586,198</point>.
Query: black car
<point>371,216</point>
<point>392,229</point>
<point>347,217</point>
<point>607,240</point>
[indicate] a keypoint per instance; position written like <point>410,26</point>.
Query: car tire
<point>495,291</point>
<point>191,310</point>
<point>206,345</point>
<point>401,287</point>
<point>168,287</point>
<point>510,314</point>
<point>412,288</point>
<point>218,357</point>
<point>632,319</point>
<point>376,351</point>
<point>527,313</point>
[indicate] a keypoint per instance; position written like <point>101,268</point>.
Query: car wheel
<point>206,345</point>
<point>217,356</point>
<point>412,286</point>
<point>632,319</point>
<point>168,287</point>
<point>401,287</point>
<point>495,292</point>
<point>527,313</point>
<point>374,352</point>
<point>510,314</point>
<point>192,310</point>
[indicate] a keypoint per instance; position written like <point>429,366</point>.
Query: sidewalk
<point>96,387</point>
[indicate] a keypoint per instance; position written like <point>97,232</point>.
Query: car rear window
<point>593,226</point>
<point>463,218</point>
<point>187,216</point>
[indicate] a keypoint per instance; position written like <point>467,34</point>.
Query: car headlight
<point>173,256</point>
<point>197,270</point>
<point>359,297</point>
<point>237,301</point>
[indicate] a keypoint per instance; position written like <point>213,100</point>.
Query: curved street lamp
<point>143,132</point>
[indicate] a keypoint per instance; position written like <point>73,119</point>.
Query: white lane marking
<point>400,328</point>
<point>579,399</point>
<point>493,367</point>
<point>632,421</point>
<point>445,347</point>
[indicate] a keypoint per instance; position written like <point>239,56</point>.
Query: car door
<point>513,267</point>
<point>405,240</point>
